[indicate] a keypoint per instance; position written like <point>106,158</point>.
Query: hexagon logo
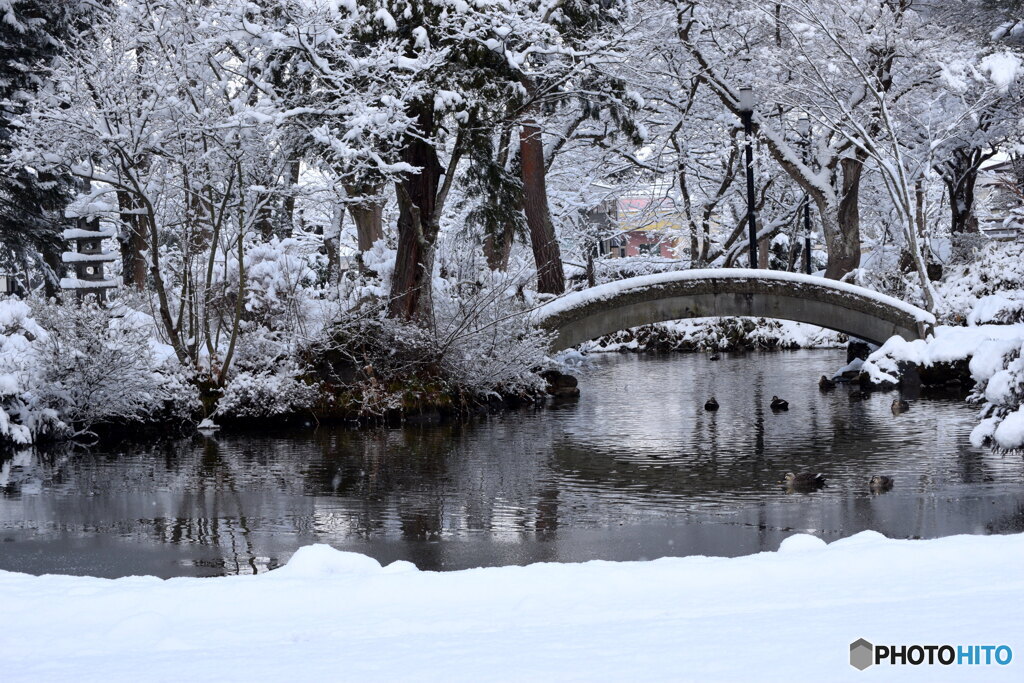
<point>862,654</point>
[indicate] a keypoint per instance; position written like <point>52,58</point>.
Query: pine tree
<point>31,203</point>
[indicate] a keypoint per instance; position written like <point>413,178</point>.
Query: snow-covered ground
<point>328,615</point>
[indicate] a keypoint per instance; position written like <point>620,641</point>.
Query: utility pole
<point>804,128</point>
<point>746,108</point>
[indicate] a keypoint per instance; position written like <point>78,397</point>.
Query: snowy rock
<point>942,358</point>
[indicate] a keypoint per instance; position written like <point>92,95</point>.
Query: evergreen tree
<point>31,203</point>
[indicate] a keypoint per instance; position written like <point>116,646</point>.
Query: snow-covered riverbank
<point>990,354</point>
<point>329,615</point>
<point>718,334</point>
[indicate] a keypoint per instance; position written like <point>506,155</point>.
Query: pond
<point>635,469</point>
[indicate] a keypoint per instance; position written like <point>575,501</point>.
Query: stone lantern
<point>86,256</point>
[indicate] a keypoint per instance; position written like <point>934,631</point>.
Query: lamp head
<point>746,99</point>
<point>803,124</point>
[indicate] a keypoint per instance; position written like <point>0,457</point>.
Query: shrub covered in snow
<point>100,364</point>
<point>1001,309</point>
<point>271,393</point>
<point>279,275</point>
<point>484,338</point>
<point>998,370</point>
<point>21,418</point>
<point>64,368</point>
<point>374,365</point>
<point>997,270</point>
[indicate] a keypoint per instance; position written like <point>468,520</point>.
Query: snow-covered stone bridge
<point>597,311</point>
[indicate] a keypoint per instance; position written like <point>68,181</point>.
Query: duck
<point>711,404</point>
<point>825,384</point>
<point>880,482</point>
<point>779,404</point>
<point>805,480</point>
<point>900,406</point>
<point>714,356</point>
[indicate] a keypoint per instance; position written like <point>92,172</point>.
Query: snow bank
<point>949,344</point>
<point>993,353</point>
<point>330,615</point>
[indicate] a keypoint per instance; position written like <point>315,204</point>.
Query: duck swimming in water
<point>714,356</point>
<point>805,481</point>
<point>825,384</point>
<point>711,404</point>
<point>880,482</point>
<point>900,406</point>
<point>779,404</point>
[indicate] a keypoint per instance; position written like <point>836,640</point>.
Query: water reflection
<point>635,469</point>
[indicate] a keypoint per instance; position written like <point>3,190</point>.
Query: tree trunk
<point>368,215</point>
<point>498,248</point>
<point>51,254</point>
<point>133,261</point>
<point>961,201</point>
<point>332,236</point>
<point>546,251</point>
<point>843,235</point>
<point>917,244</point>
<point>417,194</point>
<point>288,205</point>
<point>764,247</point>
<point>960,174</point>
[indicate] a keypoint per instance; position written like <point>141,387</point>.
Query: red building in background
<point>641,226</point>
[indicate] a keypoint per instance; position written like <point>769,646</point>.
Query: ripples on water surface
<point>635,469</point>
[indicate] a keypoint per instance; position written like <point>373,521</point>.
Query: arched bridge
<point>859,312</point>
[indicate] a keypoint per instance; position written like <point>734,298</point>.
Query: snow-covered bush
<point>271,393</point>
<point>370,363</point>
<point>485,339</point>
<point>373,281</point>
<point>20,335</point>
<point>998,369</point>
<point>1000,309</point>
<point>257,346</point>
<point>64,368</point>
<point>100,364</point>
<point>998,268</point>
<point>278,277</point>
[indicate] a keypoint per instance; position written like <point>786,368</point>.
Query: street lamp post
<point>746,109</point>
<point>804,128</point>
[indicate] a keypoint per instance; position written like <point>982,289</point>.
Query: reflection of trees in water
<point>177,492</point>
<point>1008,524</point>
<point>972,465</point>
<point>638,445</point>
<point>27,470</point>
<point>422,483</point>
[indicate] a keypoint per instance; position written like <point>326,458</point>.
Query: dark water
<point>635,469</point>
